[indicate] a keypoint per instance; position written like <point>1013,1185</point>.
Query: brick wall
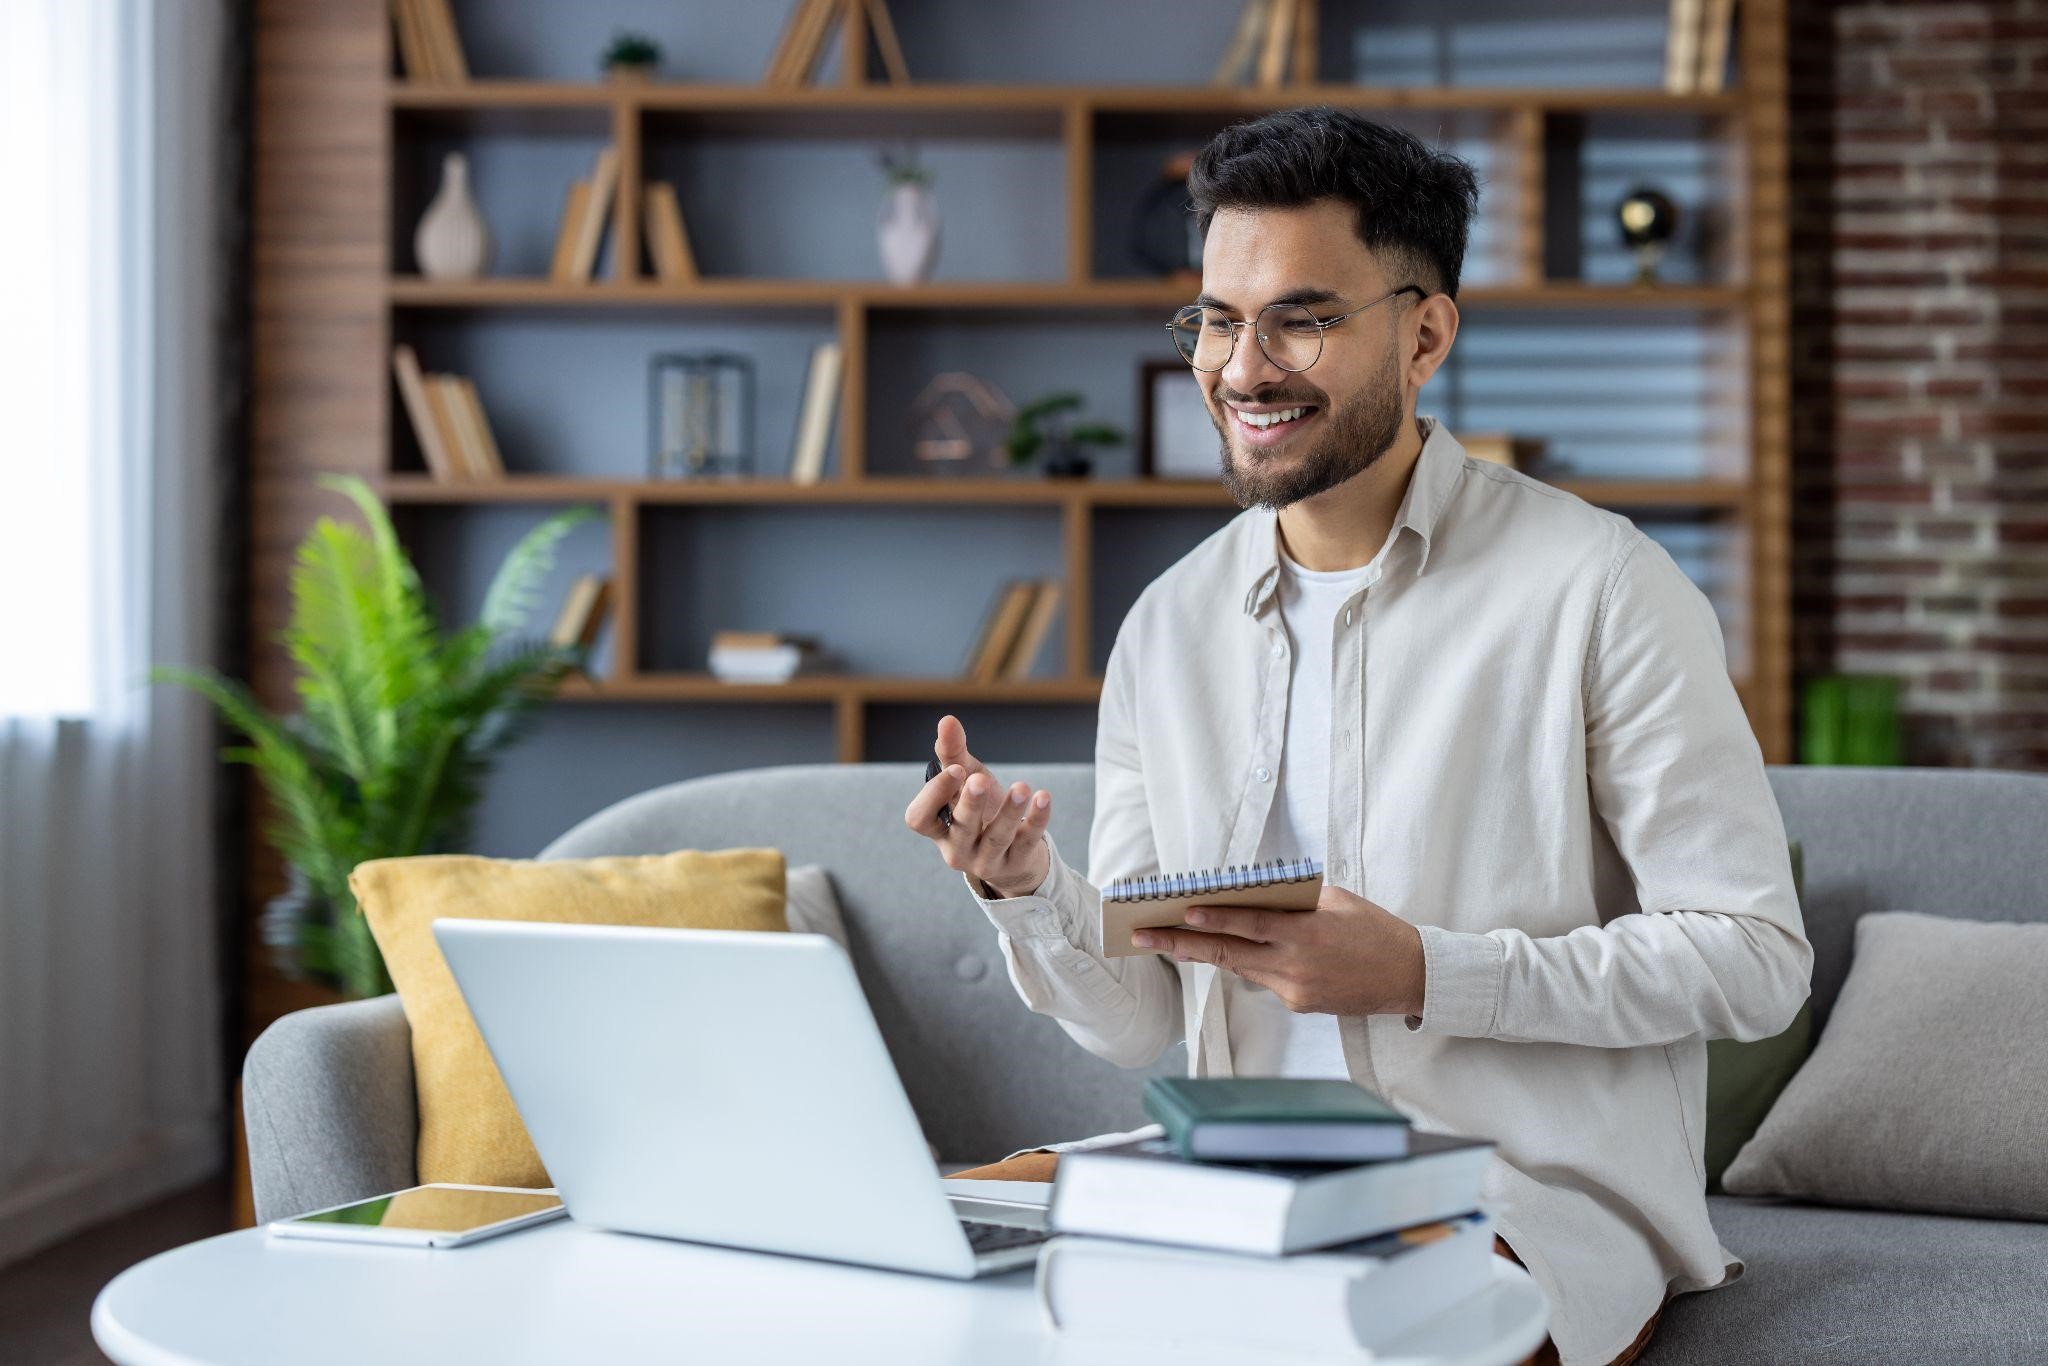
<point>1920,382</point>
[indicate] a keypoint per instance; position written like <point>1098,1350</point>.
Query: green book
<point>1275,1119</point>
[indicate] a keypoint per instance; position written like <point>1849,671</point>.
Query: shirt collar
<point>1430,486</point>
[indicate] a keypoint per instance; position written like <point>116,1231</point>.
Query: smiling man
<point>1502,717</point>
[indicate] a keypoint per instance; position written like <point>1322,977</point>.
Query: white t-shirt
<point>1266,1038</point>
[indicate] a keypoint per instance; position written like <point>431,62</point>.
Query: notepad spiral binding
<point>1237,877</point>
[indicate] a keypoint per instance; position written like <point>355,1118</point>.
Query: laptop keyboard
<point>985,1237</point>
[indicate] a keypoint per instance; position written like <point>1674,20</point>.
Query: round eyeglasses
<point>1290,335</point>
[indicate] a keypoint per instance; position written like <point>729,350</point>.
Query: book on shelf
<point>1329,1303</point>
<point>574,201</point>
<point>763,657</point>
<point>804,36</point>
<point>1276,1119</point>
<point>478,447</point>
<point>1281,15</point>
<point>582,614</point>
<point>814,421</point>
<point>444,401</point>
<point>1146,1191</point>
<point>1031,633</point>
<point>429,46</point>
<point>591,215</point>
<point>1273,43</point>
<point>668,240</point>
<point>419,410</point>
<point>1717,20</point>
<point>1682,46</point>
<point>999,630</point>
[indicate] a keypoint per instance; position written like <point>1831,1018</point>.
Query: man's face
<point>1353,392</point>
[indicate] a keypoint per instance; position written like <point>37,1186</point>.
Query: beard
<point>1353,437</point>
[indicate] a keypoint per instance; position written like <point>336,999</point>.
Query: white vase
<point>452,242</point>
<point>907,233</point>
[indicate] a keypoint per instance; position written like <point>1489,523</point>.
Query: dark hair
<point>1414,203</point>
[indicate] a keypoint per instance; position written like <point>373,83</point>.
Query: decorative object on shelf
<point>814,420</point>
<point>630,57</point>
<point>1060,440</point>
<point>1177,439</point>
<point>764,656</point>
<point>668,241</point>
<point>907,229</point>
<point>810,26</point>
<point>1649,220</point>
<point>1851,719</point>
<point>583,221</point>
<point>958,425</point>
<point>701,415</point>
<point>448,421</point>
<point>1696,46</point>
<point>398,728</point>
<point>428,43</point>
<point>451,241</point>
<point>1271,36</point>
<point>1164,235</point>
<point>1504,448</point>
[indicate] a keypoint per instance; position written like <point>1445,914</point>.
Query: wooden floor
<point>46,1301</point>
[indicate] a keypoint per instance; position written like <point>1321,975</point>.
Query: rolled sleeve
<point>1038,913</point>
<point>1462,976</point>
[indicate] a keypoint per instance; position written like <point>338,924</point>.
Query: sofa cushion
<point>1830,1287</point>
<point>1744,1078</point>
<point>469,1130</point>
<point>1927,1089</point>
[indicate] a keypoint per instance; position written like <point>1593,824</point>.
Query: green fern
<point>397,723</point>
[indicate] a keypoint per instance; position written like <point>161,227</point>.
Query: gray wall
<point>901,589</point>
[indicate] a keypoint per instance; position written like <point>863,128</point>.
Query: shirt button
<point>1347,616</point>
<point>1262,774</point>
<point>1278,649</point>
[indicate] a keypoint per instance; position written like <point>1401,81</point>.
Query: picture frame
<point>1176,438</point>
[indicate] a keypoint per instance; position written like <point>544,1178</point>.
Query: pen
<point>931,771</point>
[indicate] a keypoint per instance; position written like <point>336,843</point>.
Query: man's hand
<point>997,837</point>
<point>1345,957</point>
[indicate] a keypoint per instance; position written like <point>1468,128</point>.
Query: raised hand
<point>997,836</point>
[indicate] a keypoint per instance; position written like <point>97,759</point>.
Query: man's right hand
<point>996,836</point>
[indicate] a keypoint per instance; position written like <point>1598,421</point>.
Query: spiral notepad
<point>1161,900</point>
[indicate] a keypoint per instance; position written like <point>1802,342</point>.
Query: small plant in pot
<point>631,57</point>
<point>1043,426</point>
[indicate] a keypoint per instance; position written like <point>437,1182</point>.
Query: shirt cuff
<point>1036,914</point>
<point>1461,983</point>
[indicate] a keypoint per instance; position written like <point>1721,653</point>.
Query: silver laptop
<point>721,1087</point>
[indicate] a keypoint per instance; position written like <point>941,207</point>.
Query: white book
<point>1363,1295</point>
<point>1146,1191</point>
<point>814,422</point>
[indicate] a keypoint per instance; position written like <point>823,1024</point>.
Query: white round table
<point>566,1293</point>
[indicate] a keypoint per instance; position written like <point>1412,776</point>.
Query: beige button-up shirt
<point>1536,757</point>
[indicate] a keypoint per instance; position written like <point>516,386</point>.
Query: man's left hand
<point>1345,957</point>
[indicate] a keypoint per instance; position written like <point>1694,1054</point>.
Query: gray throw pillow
<point>811,906</point>
<point>1927,1090</point>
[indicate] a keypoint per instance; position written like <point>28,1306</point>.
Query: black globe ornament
<point>1649,220</point>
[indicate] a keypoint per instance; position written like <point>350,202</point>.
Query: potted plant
<point>631,57</point>
<point>907,228</point>
<point>1041,426</point>
<point>398,723</point>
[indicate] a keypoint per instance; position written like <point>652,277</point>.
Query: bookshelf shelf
<point>995,108</point>
<point>1100,134</point>
<point>1108,295</point>
<point>423,489</point>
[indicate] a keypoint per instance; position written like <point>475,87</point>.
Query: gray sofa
<point>328,1093</point>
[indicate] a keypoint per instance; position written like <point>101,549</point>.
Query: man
<point>1502,717</point>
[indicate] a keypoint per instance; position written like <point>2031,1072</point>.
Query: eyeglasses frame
<point>1323,325</point>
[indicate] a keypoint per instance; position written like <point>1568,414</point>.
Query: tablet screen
<point>437,1209</point>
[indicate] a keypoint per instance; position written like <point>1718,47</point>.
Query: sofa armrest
<point>327,1098</point>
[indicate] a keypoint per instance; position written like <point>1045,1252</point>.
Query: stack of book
<point>1014,631</point>
<point>448,419</point>
<point>1275,1214</point>
<point>763,656</point>
<point>1696,46</point>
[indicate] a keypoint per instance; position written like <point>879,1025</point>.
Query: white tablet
<point>442,1214</point>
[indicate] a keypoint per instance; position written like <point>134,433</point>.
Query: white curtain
<point>111,304</point>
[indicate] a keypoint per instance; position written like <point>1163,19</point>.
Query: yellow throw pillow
<point>469,1129</point>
